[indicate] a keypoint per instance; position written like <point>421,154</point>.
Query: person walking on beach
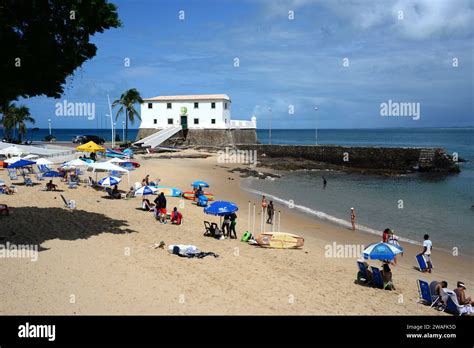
<point>270,213</point>
<point>264,202</point>
<point>226,226</point>
<point>160,202</point>
<point>427,246</point>
<point>353,219</point>
<point>233,222</point>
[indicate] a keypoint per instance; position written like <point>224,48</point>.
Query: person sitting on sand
<point>176,217</point>
<point>387,277</point>
<point>50,186</point>
<point>438,288</point>
<point>116,193</point>
<point>6,189</point>
<point>130,193</point>
<point>146,180</point>
<point>147,205</point>
<point>198,193</point>
<point>461,295</point>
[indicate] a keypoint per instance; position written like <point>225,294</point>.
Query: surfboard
<point>279,240</point>
<point>190,195</point>
<point>169,191</point>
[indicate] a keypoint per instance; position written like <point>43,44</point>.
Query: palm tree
<point>126,102</point>
<point>7,121</point>
<point>22,115</point>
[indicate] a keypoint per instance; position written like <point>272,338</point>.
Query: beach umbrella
<point>12,150</point>
<point>221,208</point>
<point>145,190</point>
<point>381,251</point>
<point>43,161</point>
<point>75,163</point>
<point>21,163</point>
<point>116,160</point>
<point>30,157</point>
<point>109,181</point>
<point>12,159</point>
<point>200,183</point>
<point>90,147</point>
<point>52,174</point>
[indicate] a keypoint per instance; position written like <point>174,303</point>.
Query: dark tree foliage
<point>44,41</point>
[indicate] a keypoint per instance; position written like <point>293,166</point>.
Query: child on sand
<point>353,219</point>
<point>427,246</point>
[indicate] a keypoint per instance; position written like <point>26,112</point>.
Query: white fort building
<point>193,120</point>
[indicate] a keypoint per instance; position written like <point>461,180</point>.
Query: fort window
<point>213,105</point>
<point>155,121</point>
<point>196,105</point>
<point>213,121</point>
<point>150,105</point>
<point>196,121</point>
<point>225,106</point>
<point>168,105</point>
<point>170,121</point>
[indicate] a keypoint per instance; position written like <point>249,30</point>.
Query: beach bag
<point>246,236</point>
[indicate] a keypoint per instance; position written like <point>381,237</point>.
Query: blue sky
<point>286,62</point>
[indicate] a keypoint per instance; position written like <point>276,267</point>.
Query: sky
<point>289,56</point>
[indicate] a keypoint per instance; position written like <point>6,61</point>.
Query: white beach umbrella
<point>76,163</point>
<point>31,156</point>
<point>43,161</point>
<point>12,160</point>
<point>116,160</point>
<point>12,150</point>
<point>146,190</point>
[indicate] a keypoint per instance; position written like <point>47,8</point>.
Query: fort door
<point>184,121</point>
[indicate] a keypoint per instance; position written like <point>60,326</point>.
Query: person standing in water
<point>325,182</point>
<point>353,219</point>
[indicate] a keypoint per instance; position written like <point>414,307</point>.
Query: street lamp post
<point>49,125</point>
<point>316,130</point>
<point>270,128</point>
<point>111,121</point>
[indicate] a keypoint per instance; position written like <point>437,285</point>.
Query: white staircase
<point>158,138</point>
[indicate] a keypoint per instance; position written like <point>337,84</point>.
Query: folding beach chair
<point>422,264</point>
<point>377,276</point>
<point>71,204</point>
<point>28,182</point>
<point>362,276</point>
<point>12,174</point>
<point>426,296</point>
<point>72,185</point>
<point>39,177</point>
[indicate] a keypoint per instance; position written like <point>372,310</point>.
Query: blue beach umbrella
<point>221,208</point>
<point>52,174</point>
<point>21,163</point>
<point>109,181</point>
<point>200,183</point>
<point>381,251</point>
<point>146,190</point>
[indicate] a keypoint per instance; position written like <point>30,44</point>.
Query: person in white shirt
<point>427,246</point>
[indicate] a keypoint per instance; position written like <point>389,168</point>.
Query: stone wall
<point>379,158</point>
<point>206,137</point>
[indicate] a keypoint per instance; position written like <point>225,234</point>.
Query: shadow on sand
<point>33,225</point>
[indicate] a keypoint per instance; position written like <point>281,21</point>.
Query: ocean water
<point>412,205</point>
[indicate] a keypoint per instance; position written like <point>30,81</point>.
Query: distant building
<point>204,119</point>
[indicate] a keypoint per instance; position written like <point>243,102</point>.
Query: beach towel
<point>189,251</point>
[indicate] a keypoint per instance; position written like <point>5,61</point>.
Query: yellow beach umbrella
<point>90,147</point>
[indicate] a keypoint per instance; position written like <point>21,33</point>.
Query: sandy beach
<point>100,259</point>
